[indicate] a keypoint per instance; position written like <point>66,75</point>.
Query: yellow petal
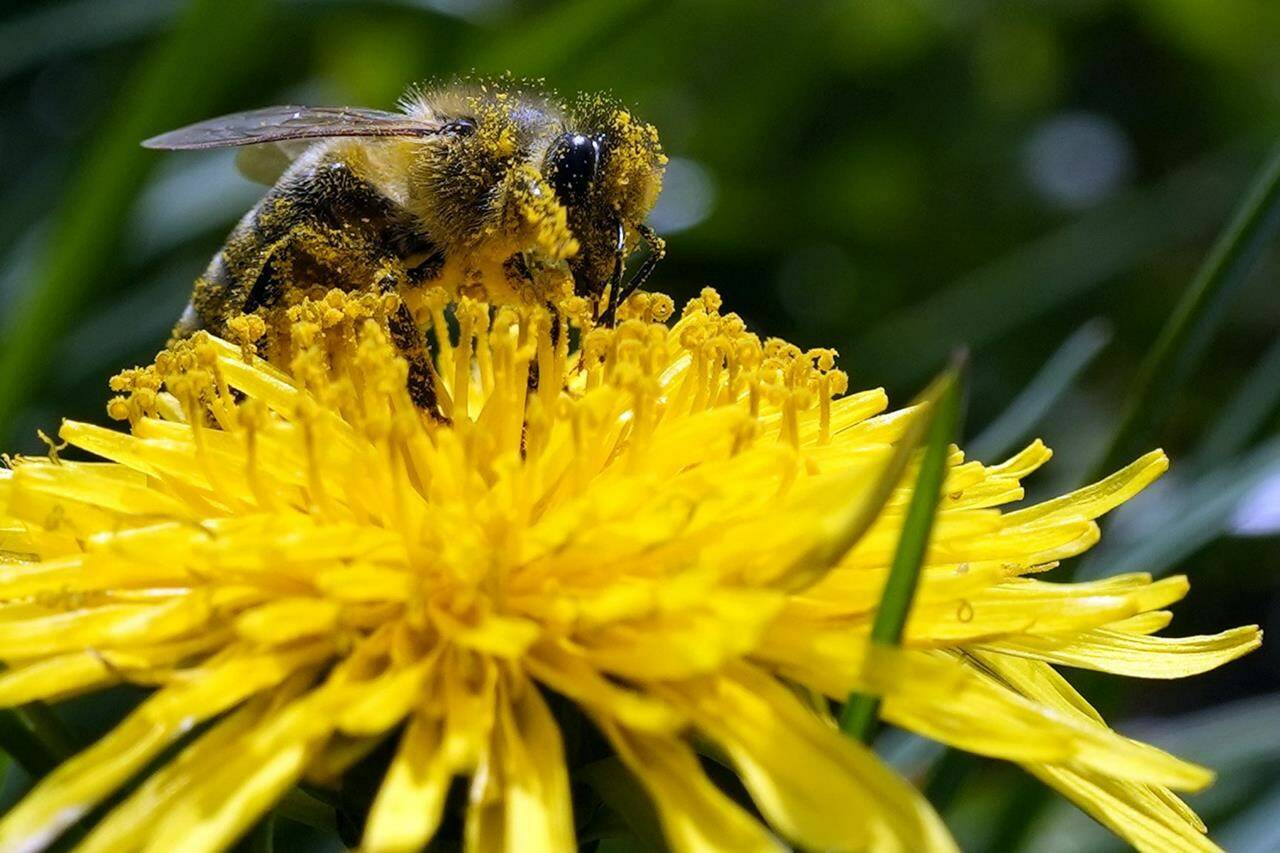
<point>812,783</point>
<point>55,678</point>
<point>221,805</point>
<point>536,799</point>
<point>1135,813</point>
<point>373,707</point>
<point>684,643</point>
<point>1024,605</point>
<point>127,826</point>
<point>410,801</point>
<point>501,636</point>
<point>109,625</point>
<point>79,784</point>
<point>287,619</point>
<point>569,674</point>
<point>1099,498</point>
<point>696,816</point>
<point>1099,749</point>
<point>75,787</point>
<point>1136,655</point>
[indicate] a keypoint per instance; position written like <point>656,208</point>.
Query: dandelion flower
<point>674,533</point>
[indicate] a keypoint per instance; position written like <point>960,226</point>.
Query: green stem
<point>1190,327</point>
<point>859,715</point>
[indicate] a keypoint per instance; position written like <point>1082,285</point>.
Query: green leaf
<point>1194,320</point>
<point>944,401</point>
<point>1059,373</point>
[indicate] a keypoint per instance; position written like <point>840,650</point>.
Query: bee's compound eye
<point>460,127</point>
<point>572,166</point>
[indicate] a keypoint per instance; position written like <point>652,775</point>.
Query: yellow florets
<point>674,528</point>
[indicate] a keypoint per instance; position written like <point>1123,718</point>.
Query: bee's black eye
<point>572,166</point>
<point>460,127</point>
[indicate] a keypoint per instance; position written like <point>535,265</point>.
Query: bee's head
<point>516,174</point>
<point>606,169</point>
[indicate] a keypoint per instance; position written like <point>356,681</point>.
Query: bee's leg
<point>618,292</point>
<point>657,251</point>
<point>408,340</point>
<point>428,269</point>
<point>615,280</point>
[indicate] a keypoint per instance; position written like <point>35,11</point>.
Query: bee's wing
<point>279,124</point>
<point>266,162</point>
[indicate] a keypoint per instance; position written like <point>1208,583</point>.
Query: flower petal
<point>1135,655</point>
<point>696,816</point>
<point>79,784</point>
<point>813,784</point>
<point>520,797</point>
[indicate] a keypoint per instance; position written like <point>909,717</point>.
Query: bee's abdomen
<point>322,224</point>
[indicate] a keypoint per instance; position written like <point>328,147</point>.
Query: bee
<point>495,189</point>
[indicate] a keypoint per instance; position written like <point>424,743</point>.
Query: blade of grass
<point>1244,416</point>
<point>209,51</point>
<point>1058,374</point>
<point>1065,264</point>
<point>1190,327</point>
<point>859,716</point>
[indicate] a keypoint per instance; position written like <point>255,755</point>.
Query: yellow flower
<point>675,529</point>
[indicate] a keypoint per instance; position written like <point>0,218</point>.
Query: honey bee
<point>485,188</point>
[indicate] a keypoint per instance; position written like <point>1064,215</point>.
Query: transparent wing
<point>265,163</point>
<point>278,124</point>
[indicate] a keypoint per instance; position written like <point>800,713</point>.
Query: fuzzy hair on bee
<point>494,188</point>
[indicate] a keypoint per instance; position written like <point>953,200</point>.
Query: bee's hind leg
<point>408,340</point>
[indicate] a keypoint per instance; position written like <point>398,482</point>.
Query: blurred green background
<point>1039,179</point>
